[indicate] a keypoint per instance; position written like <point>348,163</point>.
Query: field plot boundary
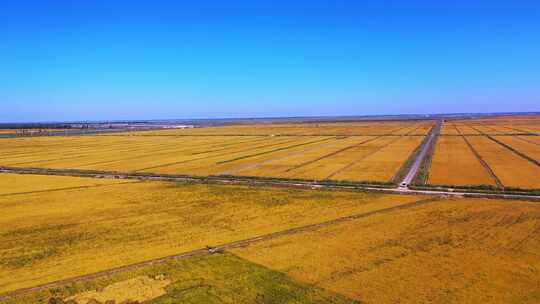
<point>228,145</point>
<point>167,152</point>
<point>486,191</point>
<point>224,179</point>
<point>317,146</point>
<point>493,129</point>
<point>272,151</point>
<point>309,162</point>
<point>215,249</point>
<point>263,134</point>
<point>366,186</point>
<point>353,163</point>
<point>526,140</point>
<point>519,153</point>
<point>210,156</point>
<point>484,163</point>
<point>521,132</point>
<point>65,189</point>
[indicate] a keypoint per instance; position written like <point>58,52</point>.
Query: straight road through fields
<point>413,171</point>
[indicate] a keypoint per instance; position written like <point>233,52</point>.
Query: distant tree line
<point>35,126</point>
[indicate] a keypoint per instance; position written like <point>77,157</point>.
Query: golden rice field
<point>449,129</point>
<point>454,163</point>
<point>384,164</point>
<point>531,139</point>
<point>59,227</point>
<point>510,168</point>
<point>354,247</point>
<point>19,184</point>
<point>309,128</point>
<point>458,250</point>
<point>355,158</point>
<point>523,145</point>
<point>449,251</point>
<point>466,130</point>
<point>502,125</point>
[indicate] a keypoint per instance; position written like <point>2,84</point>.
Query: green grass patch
<point>218,278</point>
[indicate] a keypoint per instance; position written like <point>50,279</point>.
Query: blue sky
<point>94,60</point>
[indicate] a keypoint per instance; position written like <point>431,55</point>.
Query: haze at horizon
<point>101,60</point>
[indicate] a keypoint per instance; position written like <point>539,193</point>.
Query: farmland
<point>454,163</point>
<point>502,125</point>
<point>501,152</point>
<point>65,232</point>
<point>509,167</point>
<point>270,152</point>
<point>383,127</point>
<point>475,152</point>
<point>222,278</point>
<point>202,242</point>
<point>355,152</point>
<point>451,251</point>
<point>523,145</point>
<point>353,246</point>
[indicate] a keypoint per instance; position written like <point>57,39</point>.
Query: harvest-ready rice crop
<point>171,153</point>
<point>532,139</point>
<point>500,125</point>
<point>286,165</point>
<point>384,164</point>
<point>449,129</point>
<point>326,166</point>
<point>512,169</point>
<point>454,163</point>
<point>228,160</point>
<point>107,224</point>
<point>422,130</point>
<point>357,128</point>
<point>526,147</point>
<point>448,251</point>
<point>19,184</point>
<point>466,130</point>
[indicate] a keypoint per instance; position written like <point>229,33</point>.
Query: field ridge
<point>484,163</point>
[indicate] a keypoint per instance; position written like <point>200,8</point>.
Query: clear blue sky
<point>92,60</point>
